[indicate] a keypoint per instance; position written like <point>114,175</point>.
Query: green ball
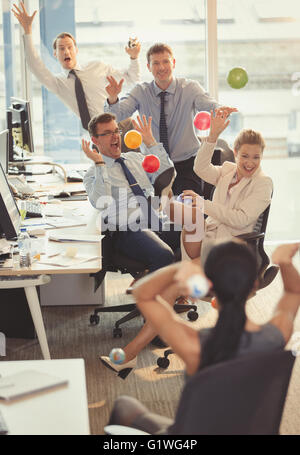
<point>237,78</point>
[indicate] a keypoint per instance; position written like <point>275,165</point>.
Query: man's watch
<point>99,163</point>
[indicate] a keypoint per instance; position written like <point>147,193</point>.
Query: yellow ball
<point>133,139</point>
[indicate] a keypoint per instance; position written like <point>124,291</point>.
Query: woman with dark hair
<point>230,268</point>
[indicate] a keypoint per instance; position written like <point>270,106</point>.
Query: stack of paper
<point>6,254</point>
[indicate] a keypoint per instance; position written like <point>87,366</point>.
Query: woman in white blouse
<point>242,190</point>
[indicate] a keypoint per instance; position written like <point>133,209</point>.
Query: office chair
<point>242,396</point>
<point>117,261</point>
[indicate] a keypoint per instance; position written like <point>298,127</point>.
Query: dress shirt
<point>92,75</point>
<point>184,99</point>
<point>108,179</point>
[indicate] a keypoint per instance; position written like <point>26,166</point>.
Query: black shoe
<point>158,342</point>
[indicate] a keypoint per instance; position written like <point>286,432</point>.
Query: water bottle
<point>24,245</point>
<point>198,286</point>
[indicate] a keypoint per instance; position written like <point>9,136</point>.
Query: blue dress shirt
<point>109,191</point>
<point>184,99</point>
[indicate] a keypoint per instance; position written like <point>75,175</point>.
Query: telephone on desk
<point>19,186</point>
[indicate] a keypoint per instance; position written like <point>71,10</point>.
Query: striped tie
<point>163,129</point>
<point>81,101</point>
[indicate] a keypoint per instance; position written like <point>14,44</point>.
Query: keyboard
<point>33,209</point>
<point>75,176</point>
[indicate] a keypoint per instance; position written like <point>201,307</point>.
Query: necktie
<point>163,130</point>
<point>81,101</point>
<point>147,209</point>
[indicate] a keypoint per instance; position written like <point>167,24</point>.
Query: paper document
<point>27,382</point>
<point>62,260</point>
<point>85,238</point>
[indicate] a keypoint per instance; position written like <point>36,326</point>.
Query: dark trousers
<point>186,178</point>
<point>155,250</point>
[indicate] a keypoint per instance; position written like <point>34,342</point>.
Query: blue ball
<point>117,355</point>
<point>187,200</point>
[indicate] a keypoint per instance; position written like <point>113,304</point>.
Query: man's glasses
<point>109,133</point>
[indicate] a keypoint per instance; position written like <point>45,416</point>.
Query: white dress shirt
<point>92,75</point>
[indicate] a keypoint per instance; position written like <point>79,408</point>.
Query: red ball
<point>202,120</point>
<point>151,163</point>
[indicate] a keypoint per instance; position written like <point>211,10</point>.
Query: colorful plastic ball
<point>202,120</point>
<point>133,139</point>
<point>117,355</point>
<point>237,78</point>
<point>187,200</point>
<point>151,163</point>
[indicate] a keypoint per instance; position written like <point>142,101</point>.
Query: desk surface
<point>63,411</point>
<point>50,247</point>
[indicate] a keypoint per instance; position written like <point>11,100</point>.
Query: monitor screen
<point>20,129</point>
<point>10,219</point>
<point>4,150</point>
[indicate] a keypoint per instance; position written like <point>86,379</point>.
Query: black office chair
<point>116,261</point>
<point>243,396</point>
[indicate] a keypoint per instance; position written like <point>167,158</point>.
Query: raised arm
<point>202,166</point>
<point>153,296</point>
<point>288,305</point>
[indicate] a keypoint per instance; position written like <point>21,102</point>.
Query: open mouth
<point>67,59</point>
<point>115,144</point>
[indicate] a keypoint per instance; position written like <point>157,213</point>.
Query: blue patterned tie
<point>163,129</point>
<point>150,214</point>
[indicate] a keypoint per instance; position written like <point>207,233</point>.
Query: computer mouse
<point>63,194</point>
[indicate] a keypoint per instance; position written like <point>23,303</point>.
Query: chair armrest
<point>251,236</point>
<point>122,430</point>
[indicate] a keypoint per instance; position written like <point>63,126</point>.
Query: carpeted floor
<point>71,336</point>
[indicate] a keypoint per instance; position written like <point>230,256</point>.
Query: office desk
<point>61,411</point>
<point>44,271</point>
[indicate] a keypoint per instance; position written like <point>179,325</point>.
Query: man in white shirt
<point>92,75</point>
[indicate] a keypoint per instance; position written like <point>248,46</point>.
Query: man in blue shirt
<point>172,103</point>
<point>110,191</point>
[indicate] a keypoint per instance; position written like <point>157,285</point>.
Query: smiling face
<point>161,65</point>
<point>248,159</point>
<point>109,144</point>
<point>66,52</point>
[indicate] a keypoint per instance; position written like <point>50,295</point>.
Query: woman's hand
<point>197,200</point>
<point>284,253</point>
<point>144,127</point>
<point>218,123</point>
<point>186,269</point>
<point>91,154</point>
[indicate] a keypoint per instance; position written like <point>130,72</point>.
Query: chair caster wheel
<point>117,332</point>
<point>163,362</point>
<point>94,319</point>
<point>193,315</point>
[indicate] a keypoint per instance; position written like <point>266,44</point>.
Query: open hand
<point>113,89</point>
<point>23,17</point>
<point>91,154</point>
<point>144,128</point>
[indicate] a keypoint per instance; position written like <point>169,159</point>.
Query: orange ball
<point>133,139</point>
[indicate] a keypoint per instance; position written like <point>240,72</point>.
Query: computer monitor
<point>10,219</point>
<point>4,150</point>
<point>20,130</point>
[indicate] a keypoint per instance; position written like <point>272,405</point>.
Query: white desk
<point>44,271</point>
<point>63,411</point>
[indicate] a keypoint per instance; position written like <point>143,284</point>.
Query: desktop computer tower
<point>15,316</point>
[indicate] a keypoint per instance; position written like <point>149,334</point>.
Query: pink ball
<point>151,163</point>
<point>202,120</point>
